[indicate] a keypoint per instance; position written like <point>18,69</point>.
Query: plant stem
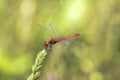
<point>36,68</point>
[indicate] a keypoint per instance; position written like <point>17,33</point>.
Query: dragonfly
<point>53,41</point>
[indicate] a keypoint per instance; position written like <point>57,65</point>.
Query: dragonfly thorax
<point>50,42</point>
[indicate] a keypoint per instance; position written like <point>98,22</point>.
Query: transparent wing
<point>46,29</point>
<point>52,30</point>
<point>55,30</point>
<point>70,41</point>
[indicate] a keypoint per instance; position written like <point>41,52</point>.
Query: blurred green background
<point>94,56</point>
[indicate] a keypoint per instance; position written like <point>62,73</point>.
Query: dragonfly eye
<point>46,43</point>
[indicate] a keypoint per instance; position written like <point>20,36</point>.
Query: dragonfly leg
<point>49,47</point>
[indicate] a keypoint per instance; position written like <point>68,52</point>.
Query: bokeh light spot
<point>75,10</point>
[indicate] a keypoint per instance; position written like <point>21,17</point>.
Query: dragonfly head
<point>46,43</point>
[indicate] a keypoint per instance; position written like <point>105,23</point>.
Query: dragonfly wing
<point>46,29</point>
<point>66,42</point>
<point>43,26</point>
<point>67,39</point>
<point>55,30</point>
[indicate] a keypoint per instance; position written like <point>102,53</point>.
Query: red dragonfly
<point>56,40</point>
<point>53,41</point>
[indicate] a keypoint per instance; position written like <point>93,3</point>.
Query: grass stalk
<point>36,68</point>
